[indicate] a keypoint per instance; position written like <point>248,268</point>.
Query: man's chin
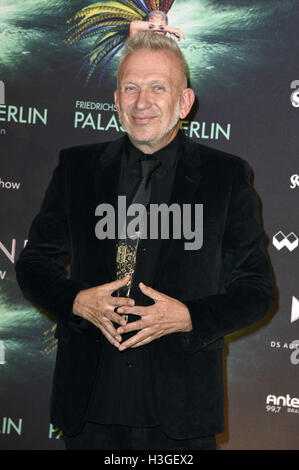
<point>151,139</point>
<point>144,140</point>
<point>138,137</point>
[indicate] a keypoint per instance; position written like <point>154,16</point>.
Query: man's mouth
<point>143,119</point>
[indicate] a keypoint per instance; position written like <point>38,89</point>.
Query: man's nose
<point>143,100</point>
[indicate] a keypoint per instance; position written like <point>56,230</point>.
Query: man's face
<point>149,98</point>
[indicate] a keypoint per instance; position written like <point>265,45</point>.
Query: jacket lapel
<point>106,177</point>
<point>186,180</point>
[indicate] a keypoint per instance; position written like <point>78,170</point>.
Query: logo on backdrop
<point>280,240</point>
<point>94,116</point>
<point>2,352</point>
<point>2,92</point>
<point>11,255</point>
<point>10,426</point>
<point>293,346</point>
<point>295,309</point>
<point>295,93</point>
<point>276,404</point>
<point>294,181</point>
<point>294,358</point>
<point>19,114</point>
<point>9,184</point>
<point>2,101</point>
<point>23,114</point>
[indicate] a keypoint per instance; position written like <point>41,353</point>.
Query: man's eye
<point>130,89</point>
<point>158,88</point>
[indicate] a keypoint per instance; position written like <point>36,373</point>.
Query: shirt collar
<point>166,155</point>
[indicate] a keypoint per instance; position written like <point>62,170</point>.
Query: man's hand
<point>98,306</point>
<point>177,32</point>
<point>167,315</point>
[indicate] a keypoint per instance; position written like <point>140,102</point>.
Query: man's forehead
<point>160,65</point>
<point>149,78</point>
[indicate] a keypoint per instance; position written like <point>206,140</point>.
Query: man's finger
<point>137,310</point>
<point>120,301</point>
<point>107,327</point>
<point>109,337</point>
<point>114,285</point>
<point>150,292</point>
<point>132,326</point>
<point>114,317</point>
<point>147,340</point>
<point>143,337</point>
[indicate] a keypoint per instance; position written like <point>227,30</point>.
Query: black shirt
<point>124,390</point>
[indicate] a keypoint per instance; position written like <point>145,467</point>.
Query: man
<point>153,379</point>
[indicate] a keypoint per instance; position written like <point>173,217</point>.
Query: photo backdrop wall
<point>56,90</point>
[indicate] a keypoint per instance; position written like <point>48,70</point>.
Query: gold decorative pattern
<point>125,263</point>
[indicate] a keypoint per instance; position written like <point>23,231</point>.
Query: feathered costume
<point>109,21</point>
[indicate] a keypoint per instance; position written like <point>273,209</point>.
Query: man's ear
<point>186,102</point>
<point>116,100</point>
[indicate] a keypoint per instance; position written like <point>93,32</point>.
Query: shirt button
<point>143,250</point>
<point>129,364</point>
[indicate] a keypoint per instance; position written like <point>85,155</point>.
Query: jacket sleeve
<point>40,268</point>
<point>246,274</point>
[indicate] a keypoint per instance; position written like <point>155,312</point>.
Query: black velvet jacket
<point>187,366</point>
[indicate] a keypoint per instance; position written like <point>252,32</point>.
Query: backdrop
<point>57,72</point>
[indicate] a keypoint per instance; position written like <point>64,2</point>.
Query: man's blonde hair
<point>153,41</point>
